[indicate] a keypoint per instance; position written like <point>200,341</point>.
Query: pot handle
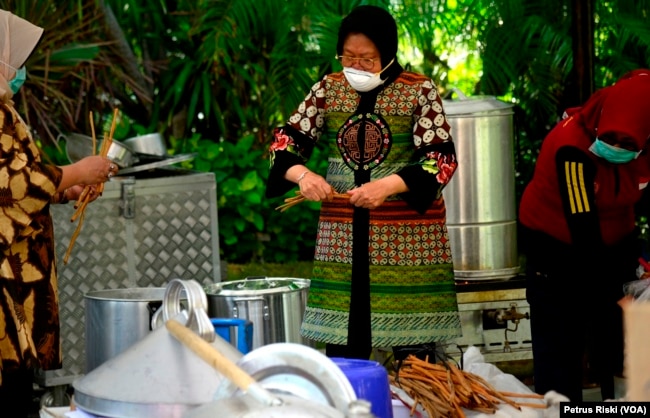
<point>256,277</point>
<point>197,307</point>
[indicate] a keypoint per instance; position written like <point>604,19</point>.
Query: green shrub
<point>250,229</point>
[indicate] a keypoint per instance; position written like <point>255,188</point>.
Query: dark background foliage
<point>216,76</point>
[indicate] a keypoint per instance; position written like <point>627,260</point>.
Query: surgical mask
<point>614,155</point>
<point>17,82</point>
<point>364,80</point>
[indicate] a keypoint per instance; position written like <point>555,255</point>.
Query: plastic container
<point>369,380</point>
<point>237,331</point>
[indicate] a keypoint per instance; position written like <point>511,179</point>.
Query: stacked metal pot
<point>167,373</point>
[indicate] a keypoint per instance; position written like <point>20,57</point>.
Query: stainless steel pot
<point>116,319</point>
<point>150,144</point>
<point>480,198</point>
<point>78,146</point>
<point>275,306</point>
<point>158,376</point>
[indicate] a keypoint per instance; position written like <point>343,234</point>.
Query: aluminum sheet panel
<point>170,231</point>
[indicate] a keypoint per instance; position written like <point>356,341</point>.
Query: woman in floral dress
<point>383,273</point>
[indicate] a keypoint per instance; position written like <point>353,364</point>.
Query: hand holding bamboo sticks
<point>293,201</point>
<point>87,193</point>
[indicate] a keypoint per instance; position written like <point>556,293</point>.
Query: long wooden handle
<point>218,361</point>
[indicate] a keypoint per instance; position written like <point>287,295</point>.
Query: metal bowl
<point>78,146</point>
<point>151,144</point>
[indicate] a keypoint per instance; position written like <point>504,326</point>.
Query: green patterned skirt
<point>412,289</point>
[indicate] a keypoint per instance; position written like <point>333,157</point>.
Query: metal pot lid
<point>297,370</point>
<point>465,105</point>
<point>133,294</point>
<point>257,286</point>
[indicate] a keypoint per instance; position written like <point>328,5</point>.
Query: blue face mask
<point>17,82</point>
<point>611,153</point>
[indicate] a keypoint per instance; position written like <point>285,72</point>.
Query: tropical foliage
<point>216,76</point>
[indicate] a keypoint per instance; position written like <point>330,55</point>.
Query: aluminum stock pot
<point>275,306</point>
<point>116,319</point>
<point>480,198</point>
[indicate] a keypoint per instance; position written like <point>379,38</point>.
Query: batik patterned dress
<point>29,318</point>
<point>402,248</point>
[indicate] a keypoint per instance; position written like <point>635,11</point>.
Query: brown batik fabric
<point>29,318</point>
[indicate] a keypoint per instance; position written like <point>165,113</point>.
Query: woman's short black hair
<point>377,24</point>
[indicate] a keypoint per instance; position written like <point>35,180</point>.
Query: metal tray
<point>157,164</point>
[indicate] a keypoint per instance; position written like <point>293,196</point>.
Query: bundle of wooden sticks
<point>293,201</point>
<point>443,389</point>
<point>84,197</point>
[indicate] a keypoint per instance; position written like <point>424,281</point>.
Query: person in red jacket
<point>578,232</point>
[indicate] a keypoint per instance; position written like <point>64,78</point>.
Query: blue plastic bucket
<point>237,331</point>
<point>369,380</point>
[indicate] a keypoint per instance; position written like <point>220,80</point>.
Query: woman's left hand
<point>75,191</point>
<point>371,195</point>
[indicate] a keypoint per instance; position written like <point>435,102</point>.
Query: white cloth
<point>18,38</point>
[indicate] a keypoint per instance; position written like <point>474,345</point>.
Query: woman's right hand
<point>94,170</point>
<point>314,187</point>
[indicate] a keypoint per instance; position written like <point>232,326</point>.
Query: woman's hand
<point>314,187</point>
<point>73,192</point>
<point>373,194</point>
<point>95,169</point>
<point>87,171</point>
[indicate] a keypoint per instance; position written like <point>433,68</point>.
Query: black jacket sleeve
<point>424,187</point>
<point>276,184</point>
<point>576,174</point>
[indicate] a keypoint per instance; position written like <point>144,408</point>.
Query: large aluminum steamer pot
<point>480,198</point>
<point>275,306</point>
<point>116,319</point>
<point>246,406</point>
<point>159,376</point>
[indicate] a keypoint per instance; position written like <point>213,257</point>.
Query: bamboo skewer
<point>443,390</point>
<point>293,201</point>
<point>84,197</point>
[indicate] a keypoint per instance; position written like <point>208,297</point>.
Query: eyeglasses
<point>365,63</point>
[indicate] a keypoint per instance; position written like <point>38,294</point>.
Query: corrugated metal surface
<point>169,230</point>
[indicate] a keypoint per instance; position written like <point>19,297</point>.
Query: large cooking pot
<point>116,319</point>
<point>158,376</point>
<point>275,306</point>
<point>480,198</point>
<point>246,406</point>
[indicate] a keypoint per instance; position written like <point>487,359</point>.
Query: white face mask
<point>364,80</point>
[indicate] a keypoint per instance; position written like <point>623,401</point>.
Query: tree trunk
<point>580,85</point>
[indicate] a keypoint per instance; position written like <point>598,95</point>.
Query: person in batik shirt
<point>29,316</point>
